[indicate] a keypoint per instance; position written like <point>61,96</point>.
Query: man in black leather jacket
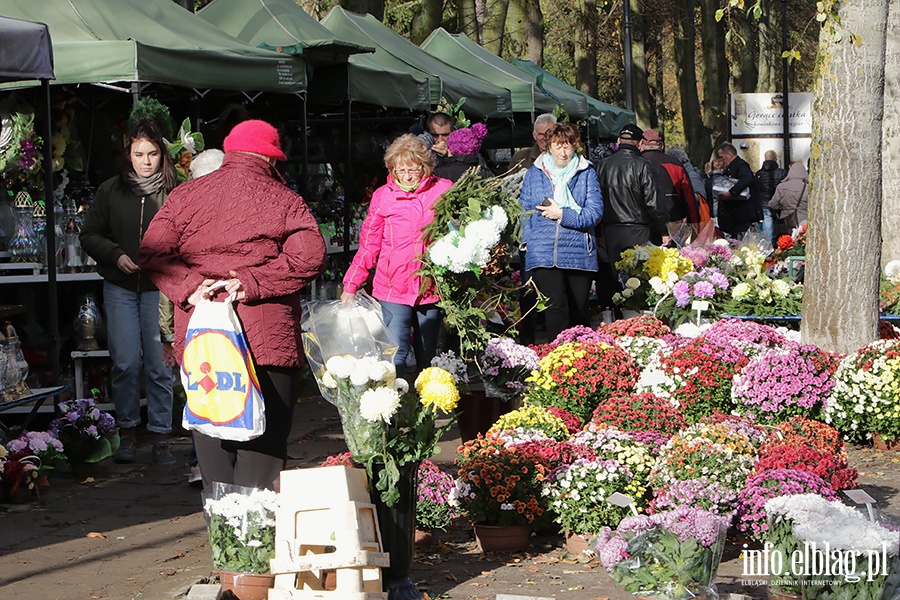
<point>633,214</point>
<point>737,214</point>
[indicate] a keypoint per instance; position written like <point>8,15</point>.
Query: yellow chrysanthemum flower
<point>439,393</point>
<point>434,374</point>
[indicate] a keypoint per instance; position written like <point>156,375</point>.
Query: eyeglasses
<point>402,172</point>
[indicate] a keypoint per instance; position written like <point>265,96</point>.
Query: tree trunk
<point>768,37</point>
<point>427,20</point>
<point>715,74</point>
<point>840,306</point>
<point>514,37</point>
<point>373,7</point>
<point>890,146</point>
<point>468,19</point>
<point>494,25</point>
<point>698,144</point>
<point>586,47</point>
<point>643,107</point>
<point>534,32</point>
<point>743,50</point>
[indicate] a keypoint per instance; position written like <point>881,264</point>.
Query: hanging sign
<point>762,114</point>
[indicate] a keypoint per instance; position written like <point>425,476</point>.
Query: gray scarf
<point>145,186</point>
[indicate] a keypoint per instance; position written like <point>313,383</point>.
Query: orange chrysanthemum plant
<point>499,485</point>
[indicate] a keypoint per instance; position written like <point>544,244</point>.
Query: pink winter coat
<point>239,218</point>
<point>391,241</point>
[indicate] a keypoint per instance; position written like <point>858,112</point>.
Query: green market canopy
<point>460,51</point>
<point>606,120</point>
<point>284,25</point>
<point>483,99</point>
<point>97,41</point>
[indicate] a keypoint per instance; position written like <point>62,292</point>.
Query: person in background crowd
<point>391,241</point>
<point>713,168</point>
<point>737,213</point>
<point>121,213</point>
<point>674,184</point>
<point>634,215</point>
<point>767,179</point>
<point>563,195</point>
<point>790,200</point>
<point>439,125</point>
<point>202,164</point>
<point>241,226</point>
<point>698,182</point>
<point>463,146</point>
<point>523,159</point>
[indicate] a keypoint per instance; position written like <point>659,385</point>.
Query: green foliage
<point>152,109</point>
<point>471,298</point>
<point>80,448</point>
<point>231,553</point>
<point>411,436</point>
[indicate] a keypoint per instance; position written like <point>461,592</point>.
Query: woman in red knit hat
<point>242,226</point>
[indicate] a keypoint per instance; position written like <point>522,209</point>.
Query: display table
<point>37,399</point>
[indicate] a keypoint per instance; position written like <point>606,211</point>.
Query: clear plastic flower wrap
<point>351,354</point>
<point>670,555</point>
<point>241,523</point>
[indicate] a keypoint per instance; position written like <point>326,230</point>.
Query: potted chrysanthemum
<point>241,525</point>
<point>499,490</point>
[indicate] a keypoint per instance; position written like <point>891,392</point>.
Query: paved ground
<point>128,532</point>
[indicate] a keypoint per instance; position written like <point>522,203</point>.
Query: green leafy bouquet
<point>670,555</point>
<point>241,527</point>
<point>475,227</point>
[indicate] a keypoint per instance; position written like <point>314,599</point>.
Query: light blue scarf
<point>560,178</point>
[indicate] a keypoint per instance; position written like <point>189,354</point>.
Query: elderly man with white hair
<point>523,159</point>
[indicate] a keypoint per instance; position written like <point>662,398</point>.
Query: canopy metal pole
<point>348,172</point>
<point>512,137</point>
<point>786,115</point>
<point>629,66</point>
<point>50,234</point>
<point>304,152</point>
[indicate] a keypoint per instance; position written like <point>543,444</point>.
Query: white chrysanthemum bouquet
<point>475,229</point>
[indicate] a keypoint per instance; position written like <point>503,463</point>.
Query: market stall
<point>483,99</point>
<point>606,120</point>
<point>284,25</point>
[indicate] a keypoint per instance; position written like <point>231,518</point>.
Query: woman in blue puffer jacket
<point>562,195</point>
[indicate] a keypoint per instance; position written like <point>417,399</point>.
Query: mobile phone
<point>545,202</point>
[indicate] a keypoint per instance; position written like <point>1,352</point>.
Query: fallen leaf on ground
<point>533,568</point>
<point>88,480</point>
<point>96,534</point>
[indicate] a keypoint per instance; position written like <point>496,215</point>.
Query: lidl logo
<point>217,376</point>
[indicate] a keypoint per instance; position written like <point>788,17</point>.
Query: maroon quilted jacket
<point>239,218</point>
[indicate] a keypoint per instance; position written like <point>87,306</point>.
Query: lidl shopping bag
<point>223,396</point>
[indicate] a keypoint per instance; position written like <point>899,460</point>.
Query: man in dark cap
<point>633,214</point>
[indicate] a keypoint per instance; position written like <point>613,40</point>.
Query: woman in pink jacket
<point>391,241</point>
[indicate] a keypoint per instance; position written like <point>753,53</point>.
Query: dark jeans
<point>567,291</point>
<point>258,462</point>
<point>425,321</point>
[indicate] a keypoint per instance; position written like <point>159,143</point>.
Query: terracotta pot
<point>775,593</point>
<point>493,538</point>
<point>424,539</point>
<point>880,443</point>
<point>476,413</point>
<point>577,543</point>
<point>247,586</point>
